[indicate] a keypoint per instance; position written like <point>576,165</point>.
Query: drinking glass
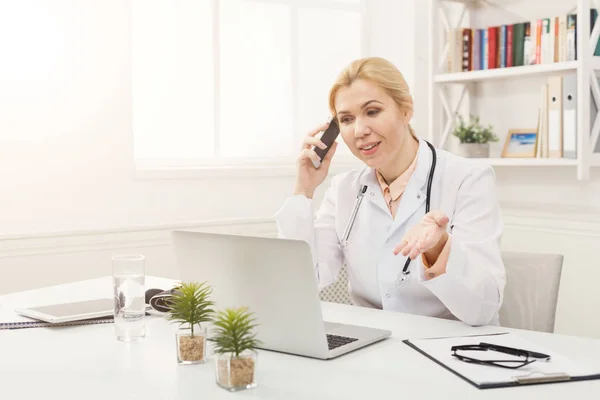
<point>128,273</point>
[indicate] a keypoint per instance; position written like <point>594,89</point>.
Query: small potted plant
<point>190,306</point>
<point>234,345</point>
<point>474,138</point>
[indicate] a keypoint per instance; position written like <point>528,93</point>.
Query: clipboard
<point>558,369</point>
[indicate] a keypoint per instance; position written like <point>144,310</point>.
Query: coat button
<point>372,194</point>
<point>418,196</point>
<point>388,295</point>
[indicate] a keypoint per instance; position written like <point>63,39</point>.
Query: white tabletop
<point>88,362</point>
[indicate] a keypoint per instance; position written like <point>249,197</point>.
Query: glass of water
<point>128,272</point>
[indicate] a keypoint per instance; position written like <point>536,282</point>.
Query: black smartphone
<point>327,137</point>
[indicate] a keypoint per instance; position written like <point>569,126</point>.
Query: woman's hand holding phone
<point>308,177</point>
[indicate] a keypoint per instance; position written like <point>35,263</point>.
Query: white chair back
<point>531,292</point>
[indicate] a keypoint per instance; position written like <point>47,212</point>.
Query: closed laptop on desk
<point>275,279</point>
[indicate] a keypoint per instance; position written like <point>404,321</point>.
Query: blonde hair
<point>381,72</point>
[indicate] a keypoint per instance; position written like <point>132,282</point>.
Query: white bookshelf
<point>503,73</point>
<point>527,162</point>
<point>441,121</point>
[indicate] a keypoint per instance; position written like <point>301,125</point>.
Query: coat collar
<point>414,194</point>
<point>418,179</point>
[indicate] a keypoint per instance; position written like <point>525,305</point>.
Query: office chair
<point>531,292</point>
<point>337,292</point>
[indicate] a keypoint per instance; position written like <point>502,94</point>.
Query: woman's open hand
<point>429,236</point>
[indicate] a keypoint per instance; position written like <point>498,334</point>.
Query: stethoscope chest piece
<point>402,278</point>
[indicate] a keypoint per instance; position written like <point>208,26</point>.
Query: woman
<point>455,269</point>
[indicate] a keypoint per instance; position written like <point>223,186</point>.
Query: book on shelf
<point>538,41</point>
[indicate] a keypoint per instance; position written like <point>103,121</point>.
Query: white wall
<point>66,151</point>
<point>66,159</point>
<point>65,129</point>
<point>66,143</point>
<point>27,263</point>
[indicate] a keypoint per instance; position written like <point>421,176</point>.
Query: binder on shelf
<point>557,369</point>
<point>542,140</point>
<point>569,121</point>
<point>555,136</point>
<point>593,114</point>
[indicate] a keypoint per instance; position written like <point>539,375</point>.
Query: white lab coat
<point>472,288</point>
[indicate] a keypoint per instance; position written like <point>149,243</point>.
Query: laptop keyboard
<point>335,341</point>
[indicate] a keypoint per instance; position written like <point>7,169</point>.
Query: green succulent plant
<point>234,331</point>
<point>473,132</point>
<point>190,304</point>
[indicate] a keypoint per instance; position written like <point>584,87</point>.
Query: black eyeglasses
<point>467,353</point>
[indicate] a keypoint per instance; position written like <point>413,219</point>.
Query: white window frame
<point>255,167</point>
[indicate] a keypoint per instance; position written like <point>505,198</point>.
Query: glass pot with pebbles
<point>190,306</point>
<point>234,344</point>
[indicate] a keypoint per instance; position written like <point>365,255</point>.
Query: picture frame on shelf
<point>521,143</point>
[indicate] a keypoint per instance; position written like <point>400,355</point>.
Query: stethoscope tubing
<point>405,271</point>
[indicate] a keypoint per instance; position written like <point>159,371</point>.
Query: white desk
<point>87,362</point>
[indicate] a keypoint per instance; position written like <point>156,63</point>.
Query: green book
<point>518,44</point>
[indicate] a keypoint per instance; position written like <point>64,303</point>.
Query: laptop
<point>276,280</point>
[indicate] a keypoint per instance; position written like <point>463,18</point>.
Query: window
<point>236,82</point>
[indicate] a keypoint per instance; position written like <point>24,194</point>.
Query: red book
<point>509,45</point>
<point>492,47</point>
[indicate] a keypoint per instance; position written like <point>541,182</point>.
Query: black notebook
<point>42,324</point>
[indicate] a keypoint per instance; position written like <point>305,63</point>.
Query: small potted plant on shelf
<point>474,138</point>
<point>234,345</point>
<point>190,306</point>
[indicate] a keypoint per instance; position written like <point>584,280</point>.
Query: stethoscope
<point>404,274</point>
